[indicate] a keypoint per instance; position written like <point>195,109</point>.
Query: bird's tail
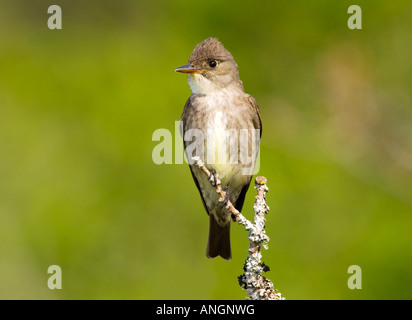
<point>219,240</point>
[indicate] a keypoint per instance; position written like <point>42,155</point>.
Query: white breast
<point>200,85</point>
<point>216,104</point>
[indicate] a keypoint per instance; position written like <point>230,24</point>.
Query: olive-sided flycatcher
<point>219,113</point>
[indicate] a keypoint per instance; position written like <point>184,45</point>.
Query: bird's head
<point>211,68</point>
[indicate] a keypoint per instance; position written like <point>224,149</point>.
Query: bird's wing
<point>198,187</point>
<point>241,198</point>
<point>257,121</point>
<point>182,131</point>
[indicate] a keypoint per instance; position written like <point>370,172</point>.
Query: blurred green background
<point>78,187</point>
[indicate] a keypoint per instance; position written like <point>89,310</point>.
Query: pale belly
<point>220,124</point>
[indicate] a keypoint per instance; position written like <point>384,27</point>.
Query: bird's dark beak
<point>188,68</point>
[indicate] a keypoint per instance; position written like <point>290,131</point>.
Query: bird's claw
<point>226,199</point>
<point>213,178</point>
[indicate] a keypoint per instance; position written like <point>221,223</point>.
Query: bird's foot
<point>226,198</point>
<point>214,179</point>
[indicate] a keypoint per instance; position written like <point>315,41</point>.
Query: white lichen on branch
<point>257,286</point>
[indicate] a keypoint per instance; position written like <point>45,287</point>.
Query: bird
<point>219,120</point>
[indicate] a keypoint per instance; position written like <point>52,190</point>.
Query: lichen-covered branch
<point>257,286</point>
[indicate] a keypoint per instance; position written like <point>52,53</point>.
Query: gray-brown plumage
<point>217,111</point>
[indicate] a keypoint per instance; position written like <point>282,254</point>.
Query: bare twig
<point>257,286</point>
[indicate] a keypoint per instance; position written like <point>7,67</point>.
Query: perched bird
<point>220,116</point>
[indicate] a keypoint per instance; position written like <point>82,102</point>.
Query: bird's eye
<point>213,63</point>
